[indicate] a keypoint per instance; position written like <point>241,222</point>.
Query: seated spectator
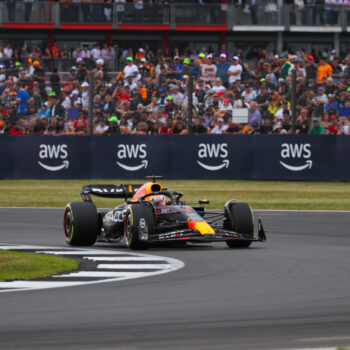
<point>198,127</point>
<point>168,128</point>
<point>101,128</point>
<point>334,128</point>
<point>266,128</point>
<point>317,128</point>
<point>220,127</point>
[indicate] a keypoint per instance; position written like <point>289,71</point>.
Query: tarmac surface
<point>291,292</point>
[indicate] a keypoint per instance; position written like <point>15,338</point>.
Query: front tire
<point>139,224</point>
<point>81,224</point>
<point>240,219</point>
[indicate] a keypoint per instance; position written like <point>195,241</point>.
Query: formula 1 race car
<point>154,215</point>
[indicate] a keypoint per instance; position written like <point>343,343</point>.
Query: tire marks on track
<point>96,266</point>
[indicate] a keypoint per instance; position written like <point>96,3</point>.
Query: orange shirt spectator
<point>140,53</point>
<point>324,71</point>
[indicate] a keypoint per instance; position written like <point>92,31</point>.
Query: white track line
<point>104,274</point>
<point>123,258</point>
<point>133,266</point>
<point>37,284</point>
<point>90,252</point>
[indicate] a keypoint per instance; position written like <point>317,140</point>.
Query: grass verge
<point>21,265</point>
<point>259,194</point>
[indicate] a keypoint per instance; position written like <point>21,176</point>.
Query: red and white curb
<point>97,266</point>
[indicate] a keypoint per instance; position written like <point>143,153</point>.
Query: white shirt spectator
<point>101,129</point>
<point>96,53</point>
<point>226,107</point>
<point>85,53</point>
<point>235,68</point>
<point>216,88</point>
<point>105,55</point>
<point>194,100</point>
<point>248,96</point>
<point>279,113</point>
<point>178,97</point>
<point>219,129</point>
<point>8,52</point>
<point>131,71</point>
<point>132,86</point>
<point>138,4</point>
<point>66,102</point>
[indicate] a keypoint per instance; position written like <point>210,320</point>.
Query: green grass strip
<point>21,265</point>
<point>259,194</point>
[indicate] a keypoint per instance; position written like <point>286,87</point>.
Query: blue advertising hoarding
<point>272,157</point>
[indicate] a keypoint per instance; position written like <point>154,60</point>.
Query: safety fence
<point>278,157</point>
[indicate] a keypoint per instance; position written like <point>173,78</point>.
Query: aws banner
<point>278,157</point>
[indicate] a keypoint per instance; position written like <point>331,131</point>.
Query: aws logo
<point>134,151</point>
<point>53,152</point>
<point>296,151</point>
<point>213,151</point>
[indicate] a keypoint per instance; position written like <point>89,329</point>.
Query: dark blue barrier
<point>275,157</point>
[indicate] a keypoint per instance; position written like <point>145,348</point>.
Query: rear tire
<point>81,224</point>
<point>139,224</point>
<point>240,220</point>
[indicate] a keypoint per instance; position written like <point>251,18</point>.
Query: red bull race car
<point>152,215</point>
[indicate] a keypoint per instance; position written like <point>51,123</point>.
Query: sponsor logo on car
<point>217,151</point>
<point>296,151</point>
<point>115,216</point>
<point>142,223</point>
<point>53,152</point>
<point>132,152</point>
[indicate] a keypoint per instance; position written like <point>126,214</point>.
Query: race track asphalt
<point>292,292</point>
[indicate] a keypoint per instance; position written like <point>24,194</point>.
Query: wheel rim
<point>67,223</point>
<point>128,229</point>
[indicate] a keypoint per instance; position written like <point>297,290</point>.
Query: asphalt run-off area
<point>291,292</point>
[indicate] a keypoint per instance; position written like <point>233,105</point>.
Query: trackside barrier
<point>274,157</point>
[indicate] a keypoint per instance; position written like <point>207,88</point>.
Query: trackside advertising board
<point>275,157</point>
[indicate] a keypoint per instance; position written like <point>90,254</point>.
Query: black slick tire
<point>81,224</point>
<point>139,224</point>
<point>240,219</point>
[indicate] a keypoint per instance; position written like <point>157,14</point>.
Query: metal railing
<point>173,13</point>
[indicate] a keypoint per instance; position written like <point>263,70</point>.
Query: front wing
<point>221,235</point>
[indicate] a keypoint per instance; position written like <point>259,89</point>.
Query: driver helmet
<point>158,200</point>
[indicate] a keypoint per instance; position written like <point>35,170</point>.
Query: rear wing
<point>109,191</point>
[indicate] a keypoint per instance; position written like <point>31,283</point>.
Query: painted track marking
<point>120,265</point>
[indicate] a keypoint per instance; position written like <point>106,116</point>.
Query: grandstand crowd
<point>150,93</point>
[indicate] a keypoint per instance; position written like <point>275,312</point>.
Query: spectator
<point>208,70</point>
<point>254,115</point>
<point>22,97</point>
<point>235,71</point>
<point>317,128</point>
<point>266,128</point>
<point>324,71</point>
<point>220,127</point>
<point>334,128</point>
<point>101,128</point>
<point>57,109</point>
<point>222,67</point>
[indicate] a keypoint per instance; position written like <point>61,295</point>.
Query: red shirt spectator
<point>76,123</point>
<point>168,128</point>
<point>55,51</point>
<point>16,130</point>
<point>334,127</point>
